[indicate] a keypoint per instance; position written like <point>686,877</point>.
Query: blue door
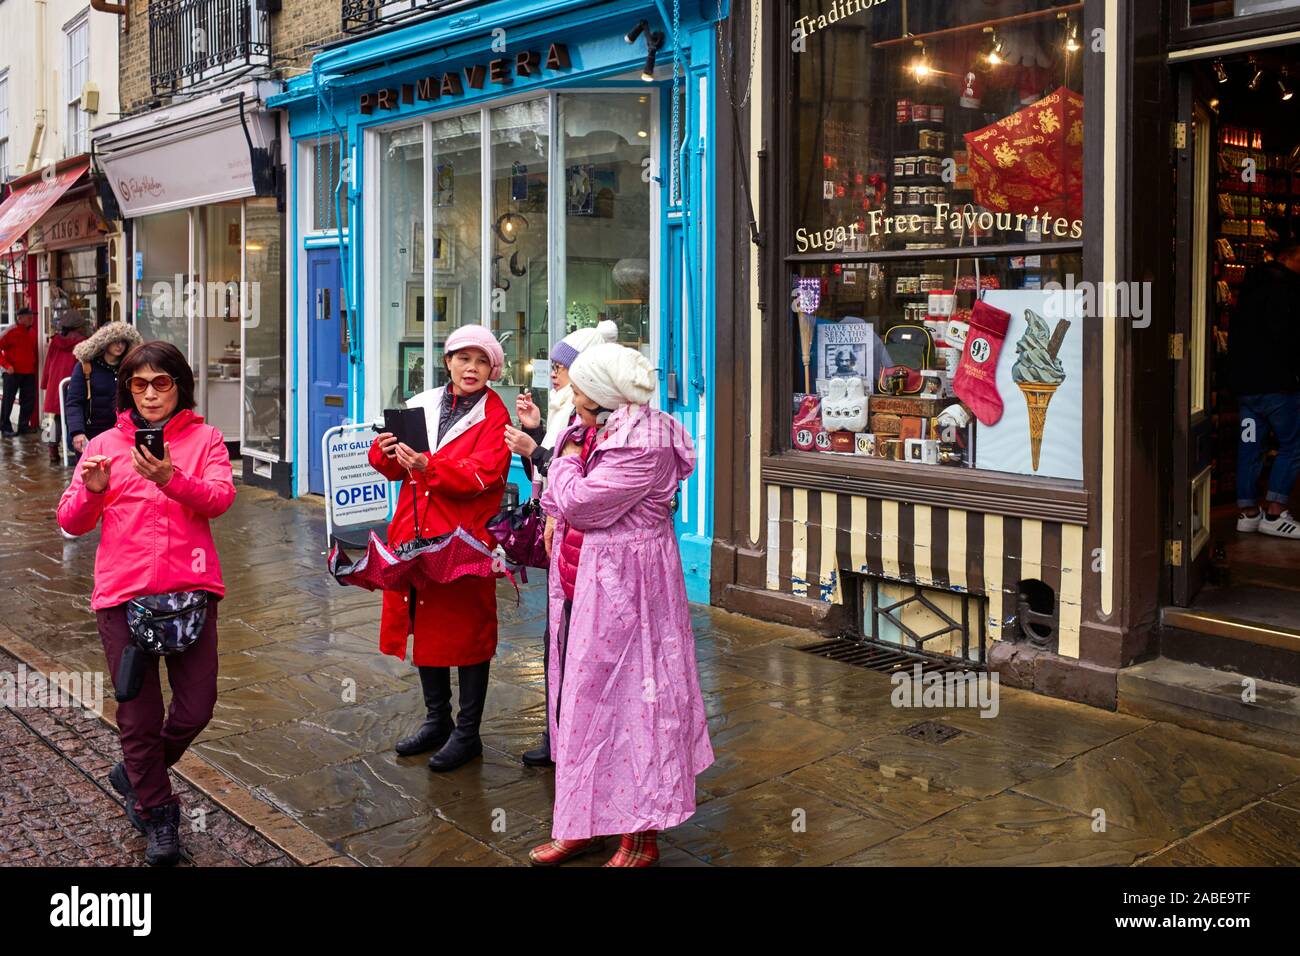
<point>327,357</point>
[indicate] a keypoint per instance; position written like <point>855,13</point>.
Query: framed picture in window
<point>411,368</point>
<point>444,259</point>
<point>580,190</point>
<point>415,310</point>
<point>446,308</point>
<point>417,247</point>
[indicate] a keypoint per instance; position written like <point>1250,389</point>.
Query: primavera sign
<point>500,71</point>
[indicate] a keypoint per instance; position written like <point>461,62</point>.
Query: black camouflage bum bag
<point>166,624</point>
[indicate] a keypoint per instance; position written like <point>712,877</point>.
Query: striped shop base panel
<point>812,536</point>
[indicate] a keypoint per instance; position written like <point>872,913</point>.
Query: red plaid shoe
<point>637,849</point>
<point>561,851</point>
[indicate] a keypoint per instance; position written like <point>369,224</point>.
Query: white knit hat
<point>565,351</point>
<point>613,375</point>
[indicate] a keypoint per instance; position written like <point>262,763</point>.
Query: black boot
<point>464,744</point>
<point>433,733</point>
<point>540,756</point>
<point>162,827</point>
<point>122,784</point>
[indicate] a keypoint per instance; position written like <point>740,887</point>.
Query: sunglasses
<point>160,383</point>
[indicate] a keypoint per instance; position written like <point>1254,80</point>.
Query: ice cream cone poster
<point>1040,380</point>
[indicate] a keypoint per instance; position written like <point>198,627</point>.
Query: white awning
<point>190,154</point>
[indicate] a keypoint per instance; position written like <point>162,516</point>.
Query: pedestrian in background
<point>535,445</point>
<point>18,360</point>
<point>93,392</point>
<point>1266,380</point>
<point>627,718</point>
<point>156,540</point>
<point>459,484</point>
<point>59,363</point>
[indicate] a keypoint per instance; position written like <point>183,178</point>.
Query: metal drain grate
<point>931,731</point>
<point>883,658</point>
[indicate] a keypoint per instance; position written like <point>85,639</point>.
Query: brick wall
<point>296,31</point>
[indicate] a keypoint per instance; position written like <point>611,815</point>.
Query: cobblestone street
<point>812,767</point>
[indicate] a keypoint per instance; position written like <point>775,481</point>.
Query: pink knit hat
<point>478,337</point>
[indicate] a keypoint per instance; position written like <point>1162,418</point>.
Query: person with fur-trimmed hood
<point>92,393</point>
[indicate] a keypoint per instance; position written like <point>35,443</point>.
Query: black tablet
<point>409,426</point>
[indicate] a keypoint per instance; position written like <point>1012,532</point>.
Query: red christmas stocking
<point>976,381</point>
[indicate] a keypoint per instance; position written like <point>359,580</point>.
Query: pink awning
<point>28,203</point>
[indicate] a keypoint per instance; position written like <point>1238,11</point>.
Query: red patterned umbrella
<point>1033,158</point>
<point>420,562</point>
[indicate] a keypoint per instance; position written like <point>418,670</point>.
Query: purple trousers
<point>150,743</point>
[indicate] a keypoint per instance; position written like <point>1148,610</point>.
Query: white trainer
<point>1283,526</point>
<point>1248,523</point>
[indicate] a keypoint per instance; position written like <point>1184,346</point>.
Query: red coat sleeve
<point>484,469</point>
<point>388,467</point>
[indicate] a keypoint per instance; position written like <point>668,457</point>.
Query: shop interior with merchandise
<point>924,134</point>
<point>1245,209</point>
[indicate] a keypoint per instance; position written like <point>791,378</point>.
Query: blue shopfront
<point>511,163</point>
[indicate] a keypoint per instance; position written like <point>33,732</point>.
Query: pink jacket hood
<point>155,539</point>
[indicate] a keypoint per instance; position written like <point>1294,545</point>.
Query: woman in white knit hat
<point>535,444</point>
<point>627,718</point>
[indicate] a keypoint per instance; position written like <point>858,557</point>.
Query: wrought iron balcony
<point>199,44</point>
<point>362,16</point>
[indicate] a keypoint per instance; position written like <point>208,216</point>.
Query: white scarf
<point>559,409</point>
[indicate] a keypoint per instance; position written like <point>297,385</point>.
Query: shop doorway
<point>1238,175</point>
<point>327,357</point>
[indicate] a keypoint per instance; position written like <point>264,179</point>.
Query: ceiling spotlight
<point>921,65</point>
<point>1072,41</point>
<point>996,49</point>
<point>653,42</point>
<point>1220,71</point>
<point>1259,75</point>
<point>636,31</point>
<point>1287,92</point>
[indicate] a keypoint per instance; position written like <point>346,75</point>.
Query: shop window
<point>402,366</point>
<point>163,244</point>
<point>1202,12</point>
<point>606,225</point>
<point>519,260</point>
<point>917,136</point>
<point>328,157</point>
<point>548,244</point>
<point>263,332</point>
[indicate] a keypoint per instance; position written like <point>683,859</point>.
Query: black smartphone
<point>152,439</point>
<point>408,425</point>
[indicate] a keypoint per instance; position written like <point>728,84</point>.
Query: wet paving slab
<point>815,763</point>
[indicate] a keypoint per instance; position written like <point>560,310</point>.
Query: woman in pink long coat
<point>627,718</point>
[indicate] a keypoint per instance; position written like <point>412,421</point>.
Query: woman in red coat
<point>458,484</point>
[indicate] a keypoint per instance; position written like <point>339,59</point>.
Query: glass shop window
<point>919,133</point>
<point>328,158</point>
<point>1217,11</point>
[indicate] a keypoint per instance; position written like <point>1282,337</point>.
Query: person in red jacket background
<point>18,358</point>
<point>458,484</point>
<point>59,363</point>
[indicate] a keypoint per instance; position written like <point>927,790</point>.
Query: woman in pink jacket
<point>155,540</point>
<point>626,715</point>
